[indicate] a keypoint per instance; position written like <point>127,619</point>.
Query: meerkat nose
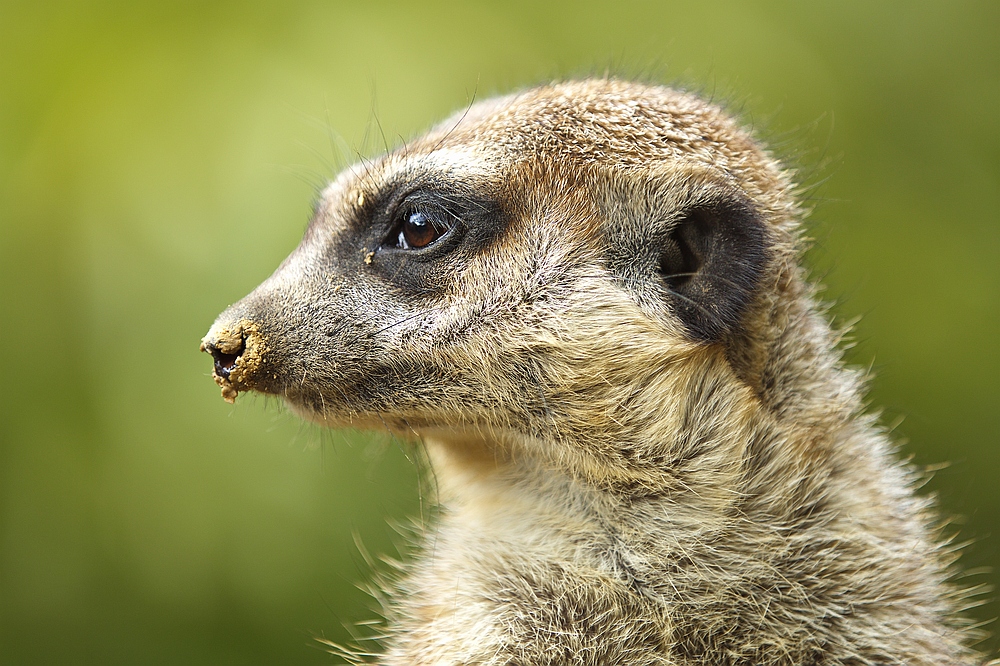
<point>224,363</point>
<point>225,351</point>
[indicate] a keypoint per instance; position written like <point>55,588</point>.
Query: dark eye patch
<point>424,228</point>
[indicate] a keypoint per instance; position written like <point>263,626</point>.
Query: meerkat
<point>586,302</point>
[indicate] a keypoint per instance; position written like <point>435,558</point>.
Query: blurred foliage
<point>157,160</point>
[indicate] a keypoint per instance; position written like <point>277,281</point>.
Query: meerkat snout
<point>585,302</point>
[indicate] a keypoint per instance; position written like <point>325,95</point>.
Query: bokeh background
<point>159,159</point>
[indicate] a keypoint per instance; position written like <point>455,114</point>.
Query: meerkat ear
<point>711,259</point>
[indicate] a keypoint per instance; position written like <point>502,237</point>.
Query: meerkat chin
<point>586,301</point>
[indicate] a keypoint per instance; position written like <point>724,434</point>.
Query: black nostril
<point>224,363</point>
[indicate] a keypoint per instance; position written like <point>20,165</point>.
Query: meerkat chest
<point>524,570</point>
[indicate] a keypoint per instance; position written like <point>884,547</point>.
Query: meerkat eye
<point>418,229</point>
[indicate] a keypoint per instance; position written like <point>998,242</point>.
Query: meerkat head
<point>569,269</point>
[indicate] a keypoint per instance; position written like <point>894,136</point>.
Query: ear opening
<point>680,259</point>
<point>710,262</point>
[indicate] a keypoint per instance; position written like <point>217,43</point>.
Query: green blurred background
<point>159,159</point>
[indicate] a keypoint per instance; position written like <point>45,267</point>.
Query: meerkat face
<point>531,267</point>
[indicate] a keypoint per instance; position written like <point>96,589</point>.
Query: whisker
<point>712,276</point>
<point>462,118</point>
<point>708,313</point>
<point>406,319</point>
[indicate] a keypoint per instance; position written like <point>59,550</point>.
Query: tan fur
<point>614,489</point>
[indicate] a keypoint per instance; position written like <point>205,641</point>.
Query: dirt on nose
<point>238,350</point>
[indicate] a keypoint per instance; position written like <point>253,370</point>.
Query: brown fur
<point>627,474</point>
